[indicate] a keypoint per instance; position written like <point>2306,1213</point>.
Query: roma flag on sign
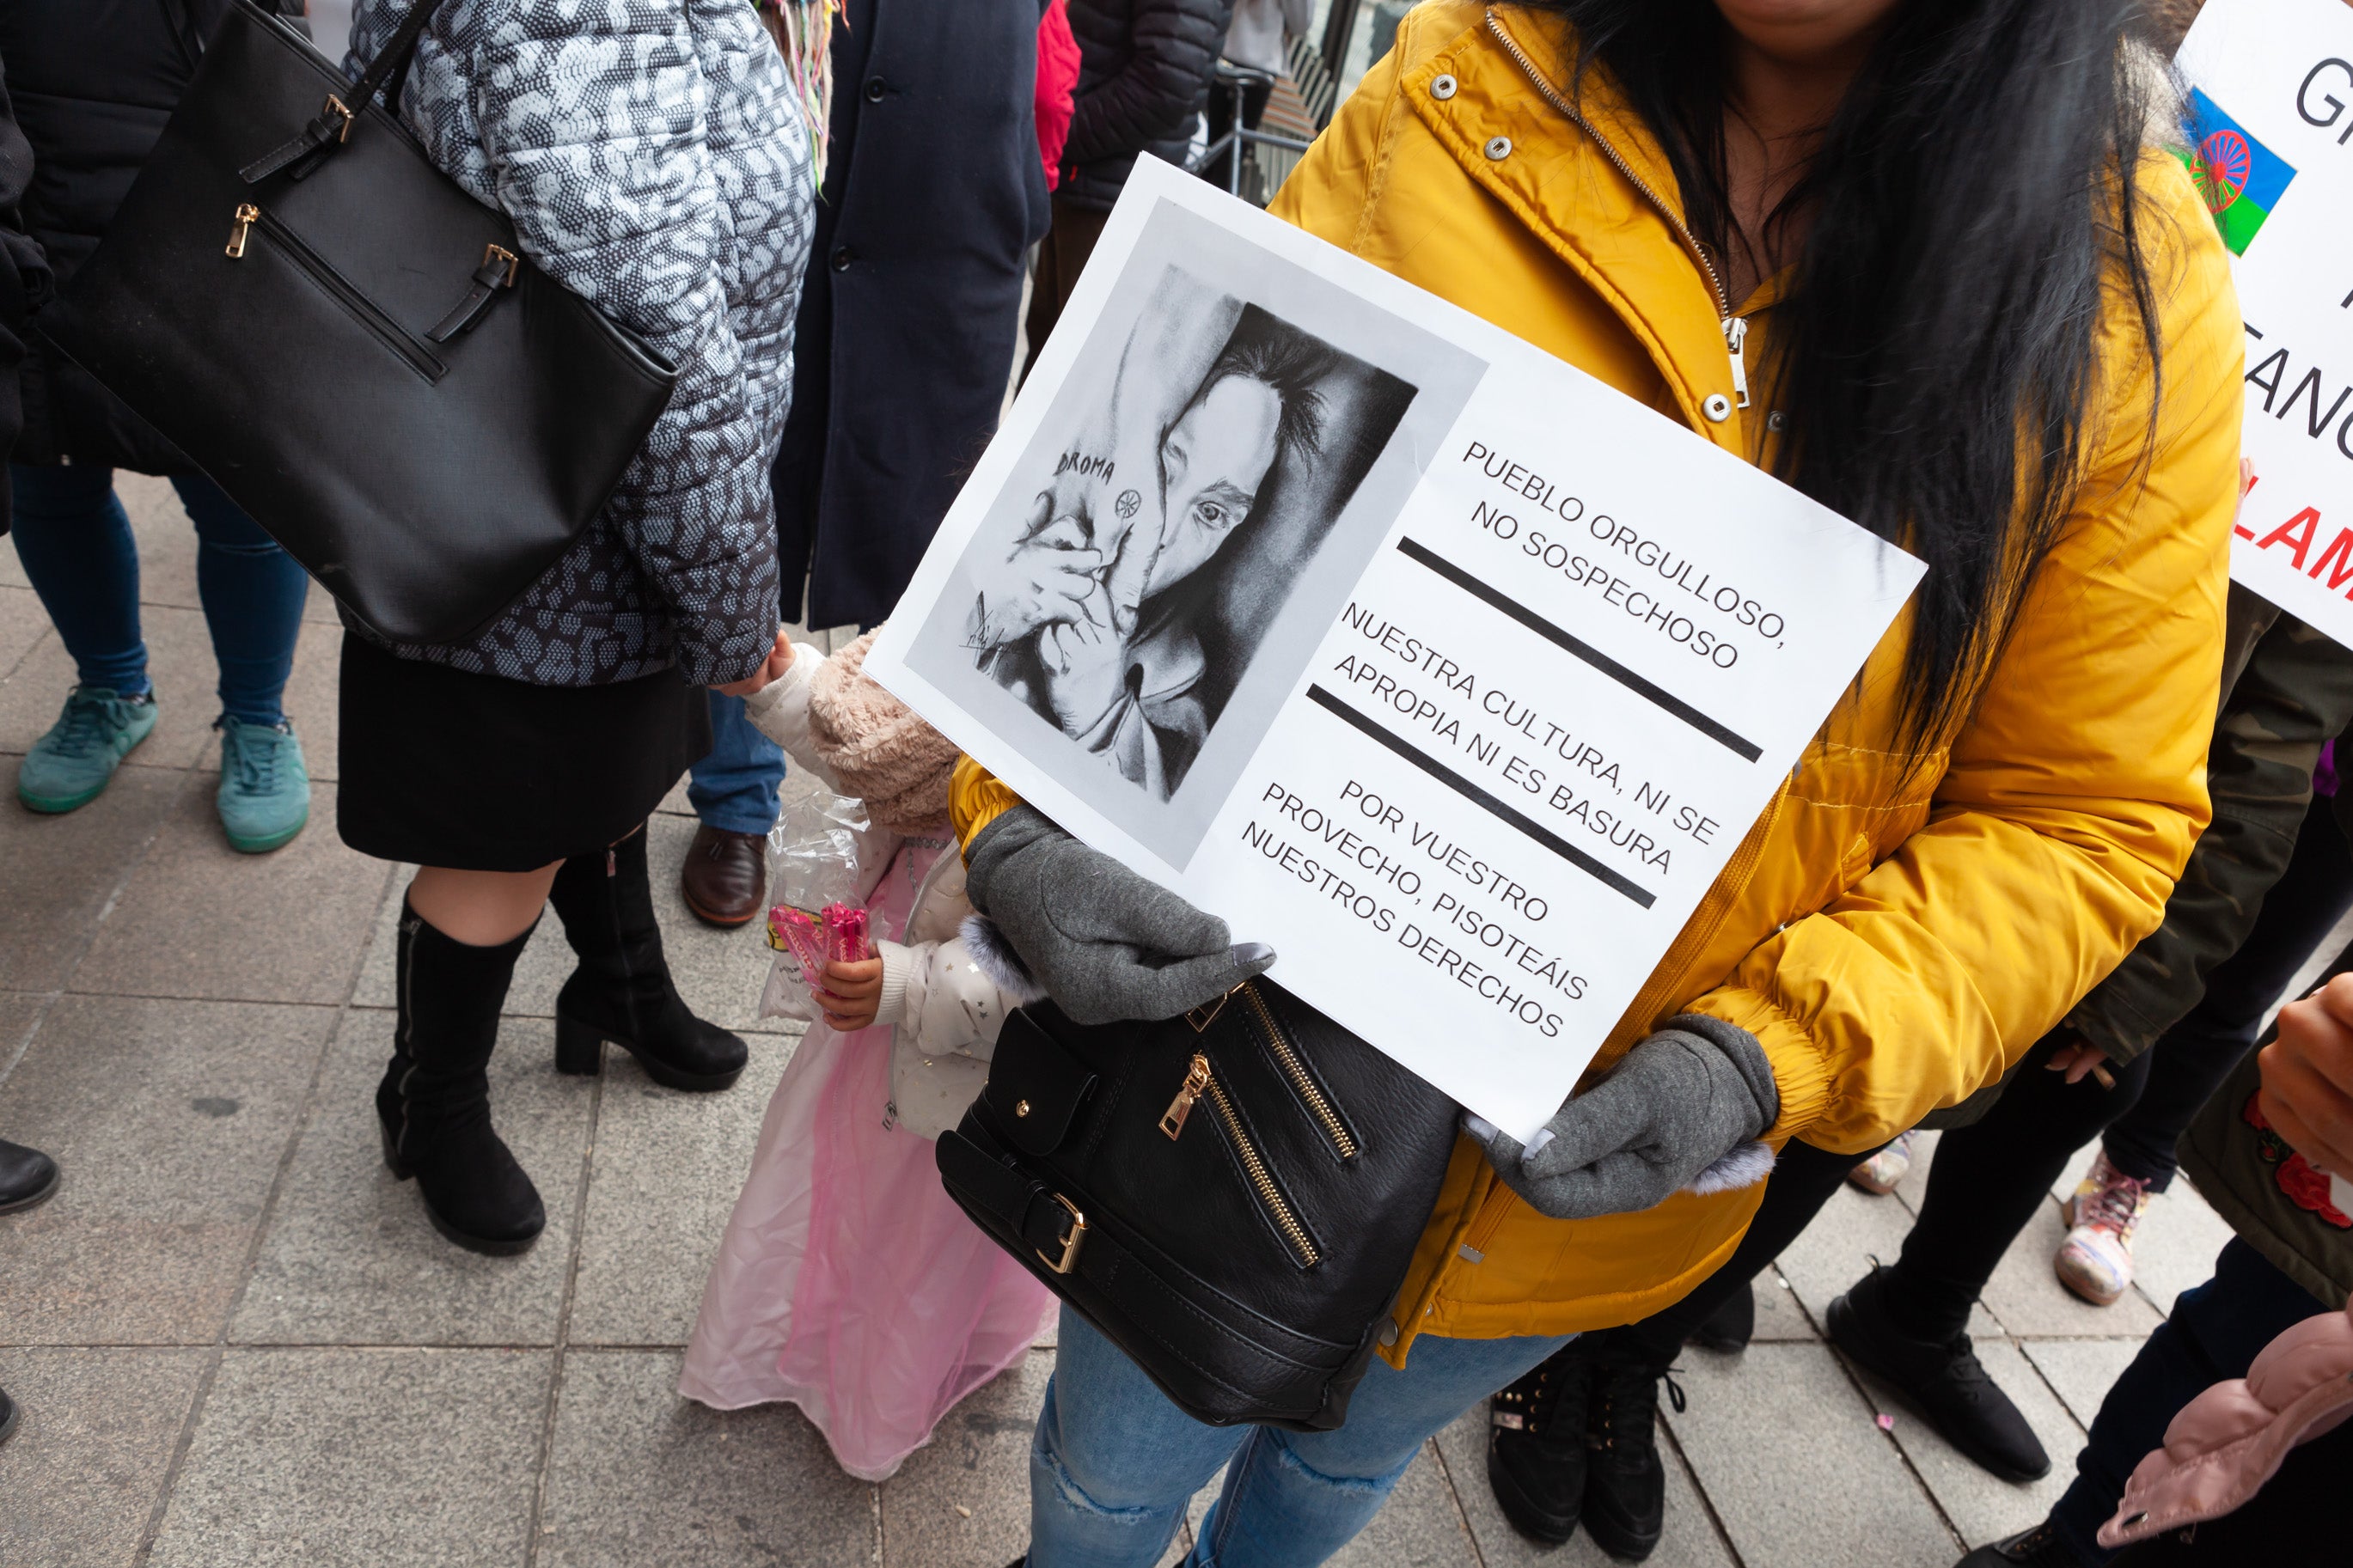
<point>2241,178</point>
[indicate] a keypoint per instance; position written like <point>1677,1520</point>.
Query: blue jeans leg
<point>253,595</point>
<point>76,545</point>
<point>734,788</point>
<point>2215,1333</point>
<point>1115,1462</point>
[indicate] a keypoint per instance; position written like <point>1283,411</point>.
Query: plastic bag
<point>814,850</point>
<point>814,854</point>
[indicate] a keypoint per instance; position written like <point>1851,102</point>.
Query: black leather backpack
<point>1231,1198</point>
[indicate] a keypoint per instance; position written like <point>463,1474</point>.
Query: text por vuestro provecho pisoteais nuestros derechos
<point>1520,752</point>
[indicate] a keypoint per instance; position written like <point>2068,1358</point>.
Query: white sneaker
<point>2096,1260</point>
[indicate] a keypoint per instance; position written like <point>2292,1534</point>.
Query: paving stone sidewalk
<point>238,1342</point>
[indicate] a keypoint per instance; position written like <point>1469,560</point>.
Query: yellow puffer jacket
<point>1894,941</point>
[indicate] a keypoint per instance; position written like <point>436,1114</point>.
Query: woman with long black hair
<point>1929,261</point>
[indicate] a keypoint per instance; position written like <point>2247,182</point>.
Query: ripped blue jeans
<point>1113,1463</point>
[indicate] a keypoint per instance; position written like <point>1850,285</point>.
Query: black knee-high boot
<point>435,1100</point>
<point>621,991</point>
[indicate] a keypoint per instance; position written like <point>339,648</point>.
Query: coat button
<point>1718,407</point>
<point>1498,148</point>
<point>875,89</point>
<point>1776,422</point>
<point>842,264</point>
<point>1441,88</point>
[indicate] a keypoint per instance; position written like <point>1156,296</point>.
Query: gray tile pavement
<point>238,1342</point>
<point>168,1119</point>
<point>300,1457</point>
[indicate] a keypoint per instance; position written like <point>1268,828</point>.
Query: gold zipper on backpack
<point>1310,1094</point>
<point>1172,1120</point>
<point>1201,1084</point>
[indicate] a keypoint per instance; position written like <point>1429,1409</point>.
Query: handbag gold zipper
<point>1286,1056</point>
<point>364,310</point>
<point>1200,1084</point>
<point>1196,1079</point>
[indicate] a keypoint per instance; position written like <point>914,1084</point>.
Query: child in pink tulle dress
<point>848,1282</point>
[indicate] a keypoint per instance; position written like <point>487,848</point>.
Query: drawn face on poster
<point>1124,610</point>
<point>1164,557</point>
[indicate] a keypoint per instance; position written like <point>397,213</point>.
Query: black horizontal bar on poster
<point>1479,797</point>
<point>1658,696</point>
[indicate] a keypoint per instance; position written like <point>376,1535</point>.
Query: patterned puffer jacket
<point>653,161</point>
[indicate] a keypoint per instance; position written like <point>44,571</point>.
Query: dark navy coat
<point>931,199</point>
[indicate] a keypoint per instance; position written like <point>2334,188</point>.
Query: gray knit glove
<point>1106,944</point>
<point>1681,1111</point>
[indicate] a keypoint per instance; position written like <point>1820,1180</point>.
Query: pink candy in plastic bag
<point>797,932</point>
<point>845,938</point>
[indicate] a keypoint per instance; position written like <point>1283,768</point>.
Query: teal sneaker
<point>265,790</point>
<point>71,765</point>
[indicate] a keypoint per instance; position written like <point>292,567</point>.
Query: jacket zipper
<point>1200,1084</point>
<point>1735,327</point>
<point>361,308</point>
<point>1311,1093</point>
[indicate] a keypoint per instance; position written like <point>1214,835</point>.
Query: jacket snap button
<point>1718,407</point>
<point>1022,1109</point>
<point>1441,88</point>
<point>875,89</point>
<point>841,260</point>
<point>1389,1334</point>
<point>1776,421</point>
<point>1498,148</point>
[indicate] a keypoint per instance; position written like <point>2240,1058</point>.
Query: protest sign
<point>2270,146</point>
<point>1451,672</point>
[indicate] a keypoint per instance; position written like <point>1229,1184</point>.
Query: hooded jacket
<point>654,162</point>
<point>1893,935</point>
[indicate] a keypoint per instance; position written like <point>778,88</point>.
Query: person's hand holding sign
<point>1681,1111</point>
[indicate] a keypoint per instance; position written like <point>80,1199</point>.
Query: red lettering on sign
<point>2338,559</point>
<point>2297,530</point>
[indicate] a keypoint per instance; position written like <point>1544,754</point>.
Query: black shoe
<point>621,991</point>
<point>435,1100</point>
<point>1625,1479</point>
<point>1731,1326</point>
<point>2038,1548</point>
<point>1942,1379</point>
<point>10,1416</point>
<point>29,1178</point>
<point>1535,1444</point>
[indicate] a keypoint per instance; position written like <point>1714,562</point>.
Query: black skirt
<point>442,767</point>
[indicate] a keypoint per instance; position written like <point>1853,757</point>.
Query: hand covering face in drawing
<point>1164,544</point>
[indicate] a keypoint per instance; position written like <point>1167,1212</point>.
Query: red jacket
<point>1058,77</point>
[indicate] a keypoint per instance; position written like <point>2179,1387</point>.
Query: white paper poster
<point>1447,670</point>
<point>2271,148</point>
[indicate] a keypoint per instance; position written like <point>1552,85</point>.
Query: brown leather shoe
<point>726,875</point>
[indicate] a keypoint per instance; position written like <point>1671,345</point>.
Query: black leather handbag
<point>1231,1198</point>
<point>353,347</point>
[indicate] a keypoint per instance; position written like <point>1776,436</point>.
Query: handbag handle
<point>332,126</point>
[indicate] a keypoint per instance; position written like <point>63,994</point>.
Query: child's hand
<point>851,994</point>
<point>771,669</point>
